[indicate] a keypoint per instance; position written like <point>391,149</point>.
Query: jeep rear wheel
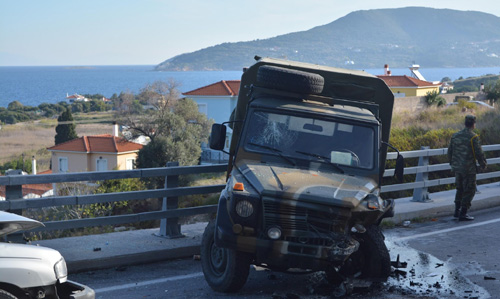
<point>225,270</point>
<point>372,259</point>
<point>289,80</point>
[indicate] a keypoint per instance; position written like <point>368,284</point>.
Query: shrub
<point>433,98</point>
<point>466,104</point>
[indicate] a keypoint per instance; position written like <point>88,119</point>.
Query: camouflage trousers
<point>466,188</point>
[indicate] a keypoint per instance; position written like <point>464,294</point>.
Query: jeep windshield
<point>311,139</point>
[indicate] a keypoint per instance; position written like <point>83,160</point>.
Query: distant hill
<point>473,83</point>
<point>368,39</point>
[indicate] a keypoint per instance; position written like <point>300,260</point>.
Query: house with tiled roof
<point>94,153</point>
<point>408,86</point>
<point>216,100</point>
<point>32,190</point>
<point>76,98</point>
<point>405,86</point>
<point>38,190</point>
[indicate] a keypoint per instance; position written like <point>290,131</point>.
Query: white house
<point>216,101</point>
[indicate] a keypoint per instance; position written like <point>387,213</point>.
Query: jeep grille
<point>301,223</point>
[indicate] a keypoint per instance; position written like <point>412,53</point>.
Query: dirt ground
<point>33,139</point>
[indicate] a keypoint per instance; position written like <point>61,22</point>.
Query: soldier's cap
<point>470,119</point>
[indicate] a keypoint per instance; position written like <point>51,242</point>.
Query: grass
<point>33,138</point>
<point>434,126</point>
<point>438,118</point>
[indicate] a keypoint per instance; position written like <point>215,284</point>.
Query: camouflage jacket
<point>464,145</point>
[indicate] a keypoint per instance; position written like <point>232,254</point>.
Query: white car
<point>29,271</point>
<point>478,103</point>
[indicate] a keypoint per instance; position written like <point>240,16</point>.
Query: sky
<point>147,32</point>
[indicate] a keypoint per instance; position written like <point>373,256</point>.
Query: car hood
<point>11,223</point>
<point>30,252</point>
<point>308,185</point>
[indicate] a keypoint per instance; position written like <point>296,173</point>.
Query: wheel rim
<point>218,259</point>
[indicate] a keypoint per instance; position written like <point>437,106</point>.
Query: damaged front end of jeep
<point>285,228</point>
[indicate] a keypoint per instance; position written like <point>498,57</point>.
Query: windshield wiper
<point>279,152</point>
<point>324,158</point>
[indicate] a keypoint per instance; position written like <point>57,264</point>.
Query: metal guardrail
<point>170,213</point>
<point>425,168</point>
<point>15,203</point>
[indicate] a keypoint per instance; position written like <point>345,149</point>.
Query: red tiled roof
<point>405,81</point>
<point>221,88</point>
<point>99,143</point>
<point>75,96</point>
<point>38,189</point>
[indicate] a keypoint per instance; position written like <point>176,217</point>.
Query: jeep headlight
<point>372,202</point>
<point>244,208</point>
<point>61,270</point>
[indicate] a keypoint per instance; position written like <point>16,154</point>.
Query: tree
<point>493,91</point>
<point>22,163</point>
<point>65,129</point>
<point>98,105</point>
<point>182,131</point>
<point>15,105</point>
<point>77,107</point>
<point>175,126</point>
<point>161,118</point>
<point>122,105</point>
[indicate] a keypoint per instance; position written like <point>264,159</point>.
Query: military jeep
<point>307,156</point>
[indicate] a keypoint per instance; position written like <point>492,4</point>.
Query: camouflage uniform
<point>463,151</point>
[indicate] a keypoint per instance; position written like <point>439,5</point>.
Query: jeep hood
<point>11,223</point>
<point>307,185</point>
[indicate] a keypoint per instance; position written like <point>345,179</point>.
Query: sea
<point>32,86</point>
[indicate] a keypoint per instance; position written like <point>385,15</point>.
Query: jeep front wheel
<point>226,270</point>
<point>372,259</point>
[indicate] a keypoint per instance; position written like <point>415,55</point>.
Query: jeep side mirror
<point>400,167</point>
<point>217,137</point>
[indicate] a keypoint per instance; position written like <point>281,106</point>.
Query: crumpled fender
<point>224,236</point>
<point>389,212</point>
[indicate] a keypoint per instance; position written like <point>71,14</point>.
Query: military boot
<point>457,211</point>
<point>464,216</point>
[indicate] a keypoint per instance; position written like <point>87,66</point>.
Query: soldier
<point>464,150</point>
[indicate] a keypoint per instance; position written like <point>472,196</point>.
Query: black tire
<point>274,77</point>
<point>225,270</point>
<point>6,295</point>
<point>372,259</point>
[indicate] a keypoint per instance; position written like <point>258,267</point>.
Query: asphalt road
<point>445,259</point>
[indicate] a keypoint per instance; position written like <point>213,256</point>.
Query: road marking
<point>199,274</point>
<point>447,230</point>
<point>146,283</point>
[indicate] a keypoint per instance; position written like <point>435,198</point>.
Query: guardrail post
<point>14,192</point>
<point>170,227</point>
<point>421,194</point>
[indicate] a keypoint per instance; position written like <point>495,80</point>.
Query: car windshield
<point>298,137</point>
